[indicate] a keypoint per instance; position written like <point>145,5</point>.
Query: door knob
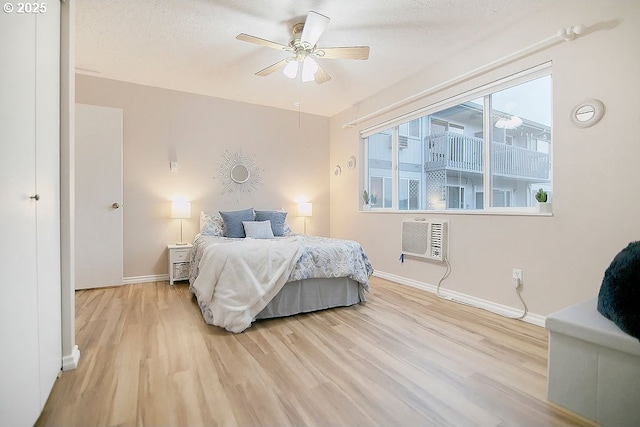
<point>115,205</point>
<point>36,197</point>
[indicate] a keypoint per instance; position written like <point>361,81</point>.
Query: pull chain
<point>299,79</point>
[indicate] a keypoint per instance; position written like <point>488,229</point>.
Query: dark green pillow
<point>619,297</point>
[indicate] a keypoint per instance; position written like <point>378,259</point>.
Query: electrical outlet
<point>517,277</point>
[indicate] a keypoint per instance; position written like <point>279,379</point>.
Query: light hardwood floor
<point>404,358</point>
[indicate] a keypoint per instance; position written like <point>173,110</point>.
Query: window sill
<point>495,212</point>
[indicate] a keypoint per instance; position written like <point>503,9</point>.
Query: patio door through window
<point>455,197</point>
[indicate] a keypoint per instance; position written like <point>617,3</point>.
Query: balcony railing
<point>464,153</point>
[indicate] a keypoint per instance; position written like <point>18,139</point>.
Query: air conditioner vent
<point>414,237</point>
<point>425,238</point>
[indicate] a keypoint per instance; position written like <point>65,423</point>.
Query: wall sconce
<point>181,210</point>
<point>351,163</point>
<point>305,210</point>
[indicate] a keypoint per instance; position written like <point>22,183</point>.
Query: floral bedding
<point>232,279</point>
<point>322,257</point>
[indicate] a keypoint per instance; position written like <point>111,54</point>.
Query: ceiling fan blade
<point>273,68</point>
<point>262,42</point>
<point>321,75</point>
<point>313,28</point>
<point>354,52</point>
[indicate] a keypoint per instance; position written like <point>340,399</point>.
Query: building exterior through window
<point>443,159</point>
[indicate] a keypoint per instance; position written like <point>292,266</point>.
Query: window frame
<point>483,91</point>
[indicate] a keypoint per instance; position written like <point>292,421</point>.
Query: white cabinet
<point>179,262</point>
<point>30,312</point>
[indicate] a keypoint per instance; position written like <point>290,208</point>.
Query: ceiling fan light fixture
<point>291,69</point>
<point>303,47</point>
<point>309,68</point>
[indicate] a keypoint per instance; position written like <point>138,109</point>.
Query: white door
<point>48,188</point>
<point>98,198</point>
<point>30,312</point>
<point>19,368</point>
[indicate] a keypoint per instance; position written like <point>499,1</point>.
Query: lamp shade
<point>305,209</point>
<point>180,210</point>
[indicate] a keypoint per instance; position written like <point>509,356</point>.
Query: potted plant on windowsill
<point>365,199</point>
<point>543,205</point>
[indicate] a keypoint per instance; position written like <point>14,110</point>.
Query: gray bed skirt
<point>303,296</point>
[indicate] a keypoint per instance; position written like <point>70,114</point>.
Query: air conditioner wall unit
<point>425,238</point>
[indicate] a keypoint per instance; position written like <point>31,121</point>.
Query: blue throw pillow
<point>277,220</point>
<point>619,296</point>
<point>233,222</point>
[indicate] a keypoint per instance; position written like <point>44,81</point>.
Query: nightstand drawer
<point>180,256</point>
<point>181,271</point>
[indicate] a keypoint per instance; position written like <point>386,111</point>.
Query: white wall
<point>163,125</point>
<point>596,204</point>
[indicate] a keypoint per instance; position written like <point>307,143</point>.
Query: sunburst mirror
<point>239,173</point>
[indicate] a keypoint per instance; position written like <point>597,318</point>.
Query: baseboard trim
<point>145,279</point>
<point>500,309</point>
<point>70,361</point>
<point>503,310</point>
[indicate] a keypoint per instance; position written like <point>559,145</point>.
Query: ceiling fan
<point>305,51</point>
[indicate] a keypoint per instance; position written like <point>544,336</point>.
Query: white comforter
<point>234,292</point>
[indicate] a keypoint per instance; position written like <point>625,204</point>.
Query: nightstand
<point>179,262</point>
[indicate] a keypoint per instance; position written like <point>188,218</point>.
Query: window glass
<point>454,159</point>
<point>520,146</point>
<point>379,148</point>
<point>437,160</point>
<point>410,165</point>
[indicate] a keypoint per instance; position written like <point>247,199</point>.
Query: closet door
<point>30,330</point>
<point>47,107</point>
<point>20,385</point>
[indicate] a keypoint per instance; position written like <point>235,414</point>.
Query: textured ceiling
<point>190,45</point>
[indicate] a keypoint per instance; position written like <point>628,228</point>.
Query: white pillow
<point>258,229</point>
<point>211,225</point>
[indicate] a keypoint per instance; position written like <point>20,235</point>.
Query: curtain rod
<point>566,34</point>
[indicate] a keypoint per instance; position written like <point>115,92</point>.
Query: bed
<point>238,279</point>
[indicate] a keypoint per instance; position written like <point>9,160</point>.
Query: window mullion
<point>364,144</point>
<point>487,131</point>
<point>395,170</point>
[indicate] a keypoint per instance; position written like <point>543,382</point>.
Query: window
<point>380,192</point>
<point>455,197</point>
<point>409,192</point>
<point>379,147</point>
<point>490,148</point>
